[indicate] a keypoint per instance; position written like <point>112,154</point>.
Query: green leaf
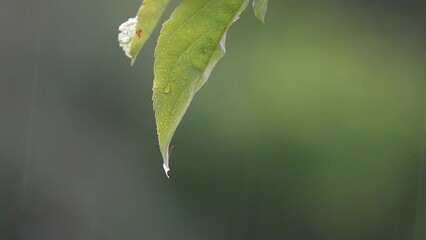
<point>191,42</point>
<point>148,16</point>
<point>259,7</point>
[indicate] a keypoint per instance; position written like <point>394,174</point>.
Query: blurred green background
<point>311,127</point>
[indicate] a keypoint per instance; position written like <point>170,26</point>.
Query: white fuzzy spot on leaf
<point>127,31</point>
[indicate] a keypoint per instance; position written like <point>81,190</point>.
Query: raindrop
<point>167,89</point>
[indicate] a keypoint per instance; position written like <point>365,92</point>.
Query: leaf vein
<point>187,21</point>
<point>188,85</point>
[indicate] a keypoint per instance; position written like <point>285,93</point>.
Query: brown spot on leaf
<point>139,32</point>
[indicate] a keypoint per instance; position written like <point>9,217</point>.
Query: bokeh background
<point>311,127</point>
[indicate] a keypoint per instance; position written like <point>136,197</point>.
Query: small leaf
<point>147,18</point>
<point>259,7</point>
<point>191,42</point>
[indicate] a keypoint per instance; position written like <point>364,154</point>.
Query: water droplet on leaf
<point>167,89</point>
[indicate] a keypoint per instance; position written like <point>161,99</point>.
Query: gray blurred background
<point>311,127</point>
